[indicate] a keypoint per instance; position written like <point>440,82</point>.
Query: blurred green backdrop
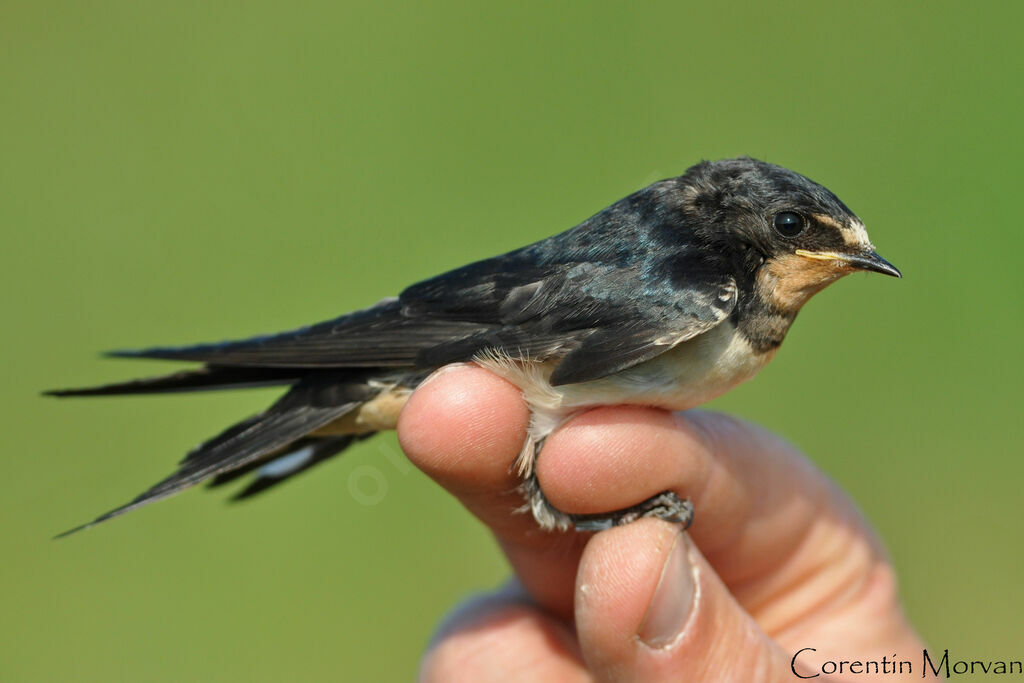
<point>177,172</point>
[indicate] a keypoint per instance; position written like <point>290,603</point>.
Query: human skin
<point>778,559</point>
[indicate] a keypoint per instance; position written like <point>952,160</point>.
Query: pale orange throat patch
<point>377,414</point>
<point>788,281</point>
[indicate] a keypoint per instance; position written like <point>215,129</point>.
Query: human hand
<point>777,560</point>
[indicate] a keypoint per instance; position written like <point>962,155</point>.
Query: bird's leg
<point>667,505</point>
<point>548,517</point>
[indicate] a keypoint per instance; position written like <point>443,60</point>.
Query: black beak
<point>872,261</point>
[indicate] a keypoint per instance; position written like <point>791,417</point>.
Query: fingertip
<point>620,571</point>
<point>464,426</point>
<point>650,607</point>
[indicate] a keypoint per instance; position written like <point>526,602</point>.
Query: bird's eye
<point>789,224</point>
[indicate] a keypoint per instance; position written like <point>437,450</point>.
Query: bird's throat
<point>777,292</point>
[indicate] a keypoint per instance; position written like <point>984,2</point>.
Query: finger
<point>464,427</point>
<point>779,534</point>
<point>502,636</point>
<point>650,608</point>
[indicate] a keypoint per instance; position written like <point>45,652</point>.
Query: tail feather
<point>309,405</point>
<point>300,456</point>
<point>205,378</point>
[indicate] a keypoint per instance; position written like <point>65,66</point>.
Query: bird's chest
<point>686,376</point>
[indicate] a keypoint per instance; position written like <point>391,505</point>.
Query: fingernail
<point>444,370</point>
<point>673,598</point>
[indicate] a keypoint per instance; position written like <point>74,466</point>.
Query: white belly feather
<point>686,376</point>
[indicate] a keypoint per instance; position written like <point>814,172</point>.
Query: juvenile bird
<point>667,298</point>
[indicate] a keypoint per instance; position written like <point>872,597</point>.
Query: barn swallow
<point>667,298</point>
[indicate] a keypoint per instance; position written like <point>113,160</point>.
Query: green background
<point>187,171</point>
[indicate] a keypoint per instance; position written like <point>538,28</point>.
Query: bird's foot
<point>666,506</point>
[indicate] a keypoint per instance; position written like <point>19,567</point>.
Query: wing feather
<point>307,406</point>
<point>598,317</point>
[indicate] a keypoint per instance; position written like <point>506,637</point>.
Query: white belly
<point>692,373</point>
<point>686,376</point>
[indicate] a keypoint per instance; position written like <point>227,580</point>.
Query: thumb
<point>650,608</point>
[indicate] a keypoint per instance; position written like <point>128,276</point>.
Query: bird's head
<point>791,234</point>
